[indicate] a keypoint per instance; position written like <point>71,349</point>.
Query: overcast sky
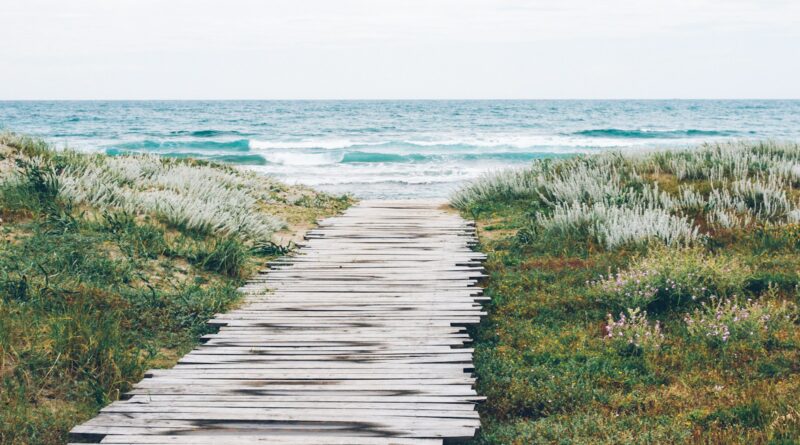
<point>353,49</point>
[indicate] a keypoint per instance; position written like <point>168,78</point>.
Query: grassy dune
<point>110,266</point>
<point>646,298</point>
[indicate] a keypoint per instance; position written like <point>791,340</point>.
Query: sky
<point>399,49</point>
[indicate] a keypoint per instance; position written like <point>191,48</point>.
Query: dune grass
<point>642,298</point>
<point>111,266</point>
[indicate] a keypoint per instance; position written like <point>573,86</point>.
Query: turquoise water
<point>393,148</point>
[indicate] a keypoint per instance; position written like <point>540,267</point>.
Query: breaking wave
<point>644,133</point>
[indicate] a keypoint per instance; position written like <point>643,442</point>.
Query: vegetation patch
<point>641,298</point>
<point>110,266</point>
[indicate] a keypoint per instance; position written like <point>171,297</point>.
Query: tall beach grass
<point>675,196</point>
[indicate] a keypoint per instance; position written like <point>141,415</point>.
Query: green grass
<point>92,296</point>
<point>543,357</point>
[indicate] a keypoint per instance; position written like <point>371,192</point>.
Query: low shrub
<point>722,321</point>
<point>669,278</point>
<point>227,256</point>
<point>135,238</point>
<point>633,333</point>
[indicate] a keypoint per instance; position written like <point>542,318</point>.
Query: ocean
<point>377,149</point>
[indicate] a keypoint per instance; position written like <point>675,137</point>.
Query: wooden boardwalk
<point>356,339</point>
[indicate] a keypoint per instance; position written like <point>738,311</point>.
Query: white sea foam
<point>300,158</point>
<point>256,144</point>
<point>554,142</point>
<point>379,173</point>
<point>525,141</point>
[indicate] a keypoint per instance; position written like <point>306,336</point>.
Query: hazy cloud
<point>398,48</point>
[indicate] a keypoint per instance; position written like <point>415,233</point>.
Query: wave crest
<point>644,133</point>
<point>151,145</point>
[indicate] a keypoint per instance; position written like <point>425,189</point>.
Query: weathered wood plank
<point>264,440</point>
<point>289,413</point>
<point>323,398</point>
<point>316,404</point>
